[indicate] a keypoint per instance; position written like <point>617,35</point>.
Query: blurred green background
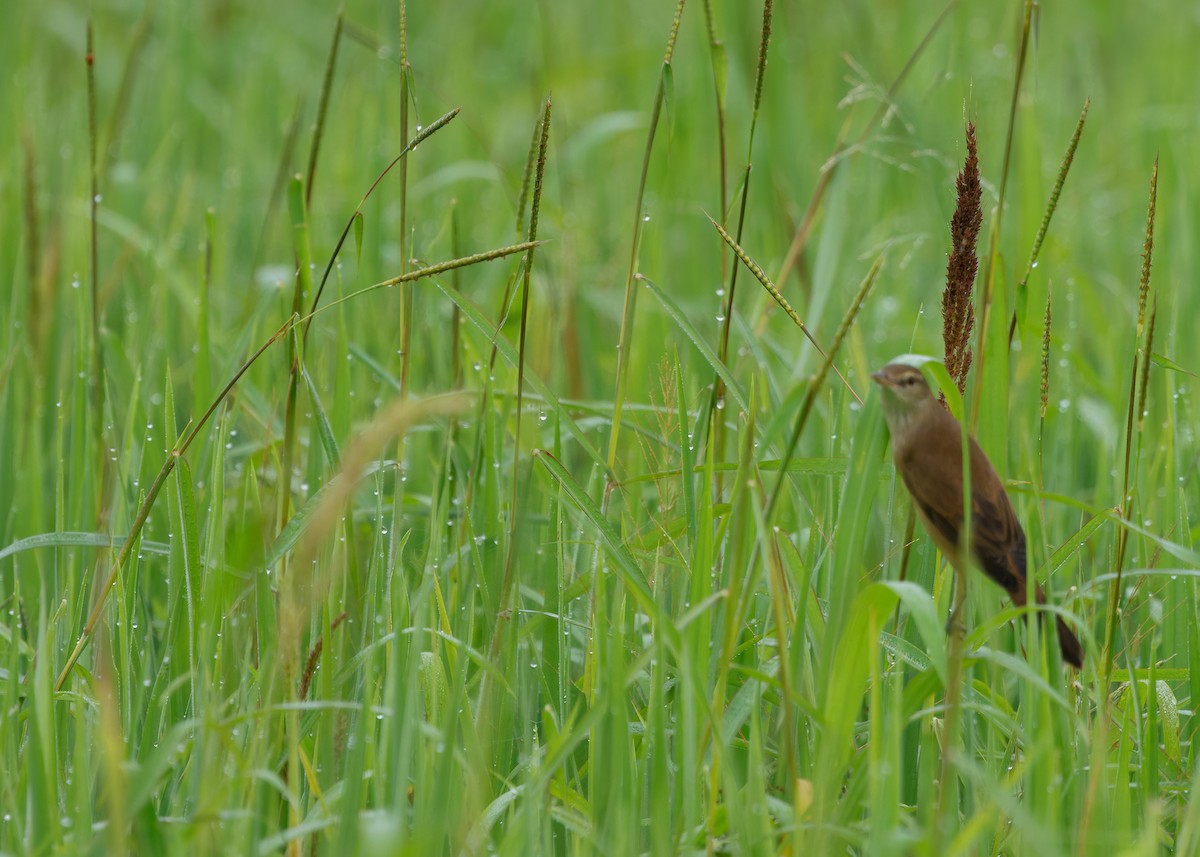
<point>618,729</point>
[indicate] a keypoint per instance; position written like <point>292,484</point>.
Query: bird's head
<point>905,393</point>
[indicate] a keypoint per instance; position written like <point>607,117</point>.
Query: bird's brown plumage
<point>927,447</point>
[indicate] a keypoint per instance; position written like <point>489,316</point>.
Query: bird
<point>927,450</point>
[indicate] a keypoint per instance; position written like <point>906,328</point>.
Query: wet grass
<point>343,518</point>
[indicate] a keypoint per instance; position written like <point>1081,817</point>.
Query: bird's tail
<point>1072,649</point>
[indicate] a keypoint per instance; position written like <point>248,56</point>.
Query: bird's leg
<point>955,624</point>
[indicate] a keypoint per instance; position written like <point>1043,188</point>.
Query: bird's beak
<point>880,379</point>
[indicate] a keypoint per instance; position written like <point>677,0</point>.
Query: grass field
<point>544,548</point>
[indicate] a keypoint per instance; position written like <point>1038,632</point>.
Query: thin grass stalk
<point>727,313</point>
<point>509,585</point>
<point>526,298</point>
<point>717,398</point>
<point>295,358</point>
<point>97,374</point>
<point>630,304</point>
<point>429,271</point>
<point>716,50</point>
<point>1051,206</point>
<point>302,287</point>
<point>773,290</point>
<point>945,820</point>
<point>502,315</point>
<point>948,780</point>
<point>323,107</point>
<point>989,279</point>
<point>1144,382</point>
<point>456,367</point>
<point>841,149</point>
<point>523,197</point>
<point>406,292</point>
<point>428,131</point>
<point>1045,374</point>
<point>957,320</point>
<point>1140,354</point>
<point>204,379</point>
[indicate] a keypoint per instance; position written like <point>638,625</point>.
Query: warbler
<point>927,448</point>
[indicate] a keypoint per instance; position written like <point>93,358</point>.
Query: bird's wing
<point>996,535</point>
<point>931,466</point>
<point>933,475</point>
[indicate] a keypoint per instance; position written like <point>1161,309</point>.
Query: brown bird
<point>927,447</point>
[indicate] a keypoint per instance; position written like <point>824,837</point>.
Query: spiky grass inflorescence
<point>1045,387</point>
<point>1141,353</point>
<point>958,310</point>
<point>727,311</point>
<point>1051,207</point>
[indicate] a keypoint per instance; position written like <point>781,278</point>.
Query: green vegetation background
<point>428,667</point>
